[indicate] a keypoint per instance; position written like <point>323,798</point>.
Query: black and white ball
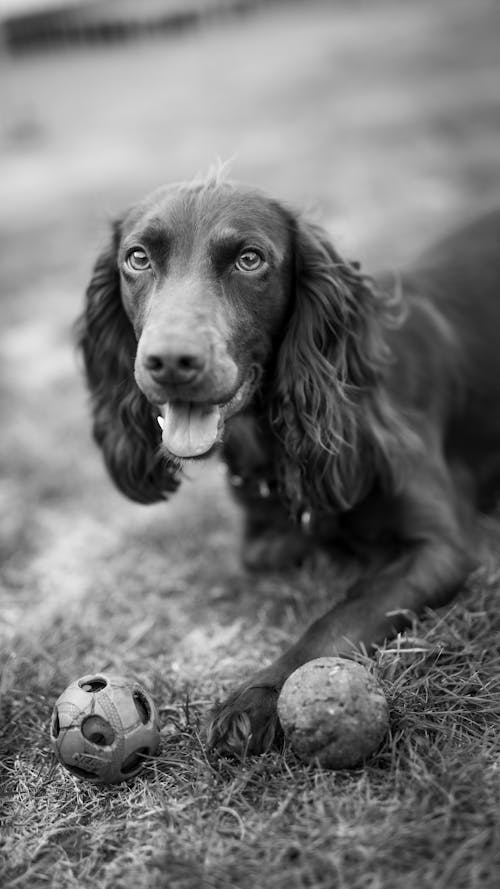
<point>104,728</point>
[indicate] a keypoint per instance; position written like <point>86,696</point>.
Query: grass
<point>423,811</point>
<point>389,122</point>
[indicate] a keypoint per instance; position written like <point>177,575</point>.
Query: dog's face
<point>205,279</point>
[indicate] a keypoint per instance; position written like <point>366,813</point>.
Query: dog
<point>348,408</point>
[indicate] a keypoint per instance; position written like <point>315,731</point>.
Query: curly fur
<point>123,424</point>
<point>329,407</point>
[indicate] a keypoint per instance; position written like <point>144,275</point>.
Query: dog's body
<point>343,409</point>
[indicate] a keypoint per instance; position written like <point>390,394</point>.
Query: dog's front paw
<point>247,722</point>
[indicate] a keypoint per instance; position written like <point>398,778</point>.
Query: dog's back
<point>452,335</point>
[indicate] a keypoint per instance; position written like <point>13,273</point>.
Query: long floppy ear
<point>123,424</point>
<point>329,407</point>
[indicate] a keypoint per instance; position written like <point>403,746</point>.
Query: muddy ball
<point>333,711</point>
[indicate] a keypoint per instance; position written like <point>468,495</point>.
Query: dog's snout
<point>175,365</point>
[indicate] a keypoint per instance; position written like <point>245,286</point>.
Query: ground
<point>383,120</point>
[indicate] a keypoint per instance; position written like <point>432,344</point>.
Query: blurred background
<point>381,117</point>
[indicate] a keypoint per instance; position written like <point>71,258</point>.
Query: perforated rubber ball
<point>104,728</point>
<point>333,711</point>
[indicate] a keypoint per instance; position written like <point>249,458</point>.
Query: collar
<point>255,487</point>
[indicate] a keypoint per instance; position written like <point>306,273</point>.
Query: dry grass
<point>423,811</point>
<point>390,122</point>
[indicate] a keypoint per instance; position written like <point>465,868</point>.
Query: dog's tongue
<point>189,429</point>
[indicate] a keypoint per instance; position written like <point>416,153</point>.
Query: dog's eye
<point>249,261</point>
<point>137,260</point>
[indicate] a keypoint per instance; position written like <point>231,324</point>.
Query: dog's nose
<point>175,366</point>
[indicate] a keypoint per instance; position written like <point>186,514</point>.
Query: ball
<point>103,728</point>
<point>334,711</point>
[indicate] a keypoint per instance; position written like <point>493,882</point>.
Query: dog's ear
<point>329,407</point>
<point>123,423</point>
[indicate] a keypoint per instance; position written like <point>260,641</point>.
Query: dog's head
<point>208,293</point>
<point>205,275</point>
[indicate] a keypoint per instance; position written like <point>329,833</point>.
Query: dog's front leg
<point>434,564</point>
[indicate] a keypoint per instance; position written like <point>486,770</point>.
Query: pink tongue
<point>189,429</point>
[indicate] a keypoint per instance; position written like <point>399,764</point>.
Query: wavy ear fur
<point>330,408</point>
<point>123,423</point>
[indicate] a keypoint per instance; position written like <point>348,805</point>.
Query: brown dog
<point>235,324</point>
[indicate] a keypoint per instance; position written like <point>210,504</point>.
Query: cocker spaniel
<point>347,408</point>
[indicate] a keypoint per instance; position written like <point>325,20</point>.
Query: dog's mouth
<point>191,429</point>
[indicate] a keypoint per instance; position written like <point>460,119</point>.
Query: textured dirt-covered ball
<point>334,711</point>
